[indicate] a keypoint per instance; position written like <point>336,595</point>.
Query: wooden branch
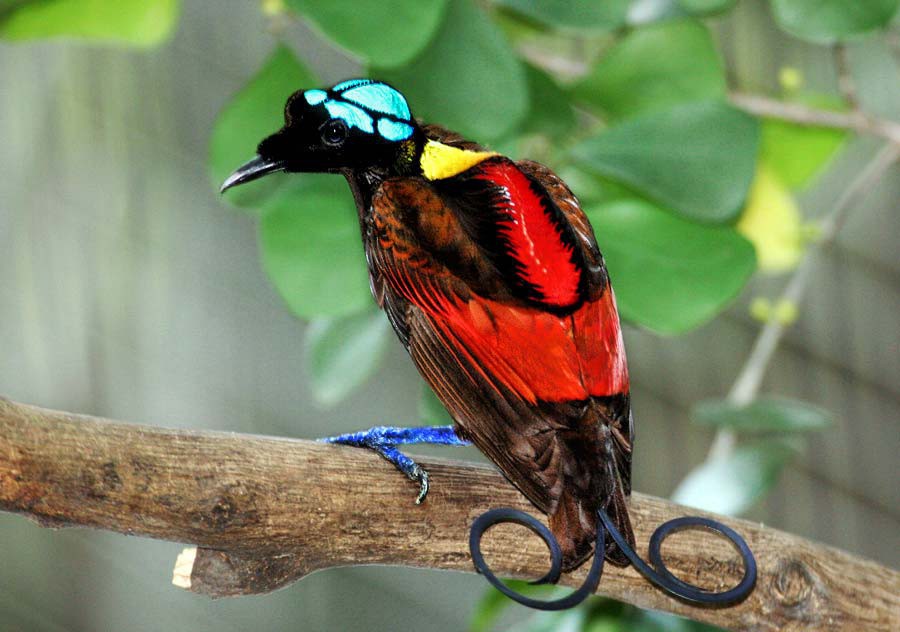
<point>265,512</point>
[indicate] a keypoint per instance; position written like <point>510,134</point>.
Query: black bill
<point>251,170</point>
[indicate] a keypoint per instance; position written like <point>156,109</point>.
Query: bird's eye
<point>334,132</point>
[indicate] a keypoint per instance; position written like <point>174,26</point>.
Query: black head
<point>356,125</point>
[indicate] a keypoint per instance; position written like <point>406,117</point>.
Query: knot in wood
<point>793,583</point>
<point>231,508</point>
<point>99,484</point>
<point>222,512</point>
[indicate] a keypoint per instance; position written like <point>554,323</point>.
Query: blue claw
<point>384,439</point>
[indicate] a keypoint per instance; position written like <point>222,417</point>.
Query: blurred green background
<point>130,289</point>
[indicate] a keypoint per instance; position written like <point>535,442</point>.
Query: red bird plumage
<point>493,281</point>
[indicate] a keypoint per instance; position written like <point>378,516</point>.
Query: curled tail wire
<point>658,575</point>
<point>496,516</point>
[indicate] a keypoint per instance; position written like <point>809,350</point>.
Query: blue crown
<point>370,106</point>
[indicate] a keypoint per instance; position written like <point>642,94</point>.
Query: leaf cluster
<point>688,195</point>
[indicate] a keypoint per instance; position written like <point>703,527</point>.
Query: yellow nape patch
<point>443,161</point>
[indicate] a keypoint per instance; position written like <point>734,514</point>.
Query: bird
<point>490,275</point>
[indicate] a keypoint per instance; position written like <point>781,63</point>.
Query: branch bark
<point>264,512</point>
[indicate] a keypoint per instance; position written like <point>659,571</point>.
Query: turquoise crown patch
<point>369,106</point>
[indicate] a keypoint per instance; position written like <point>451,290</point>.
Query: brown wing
<point>415,289</point>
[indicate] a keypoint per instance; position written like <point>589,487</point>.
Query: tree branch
<point>856,121</point>
<point>265,512</point>
<point>845,79</point>
<point>748,381</point>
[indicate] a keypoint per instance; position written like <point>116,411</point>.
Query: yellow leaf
<point>771,221</point>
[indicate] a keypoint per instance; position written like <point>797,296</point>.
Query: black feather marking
<point>480,208</point>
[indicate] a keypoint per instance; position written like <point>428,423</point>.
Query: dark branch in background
<point>265,512</point>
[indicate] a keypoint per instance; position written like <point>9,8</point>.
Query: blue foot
<point>384,439</point>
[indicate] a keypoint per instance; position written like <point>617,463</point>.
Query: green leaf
<point>697,159</point>
<point>571,620</point>
<point>590,188</point>
<point>383,33</point>
<point>827,21</point>
<point>706,7</point>
<point>550,118</point>
<point>467,79</point>
<point>494,603</point>
<point>644,12</point>
<point>609,625</point>
<point>488,609</point>
<point>732,484</point>
<point>431,410</point>
<point>606,15</point>
<point>798,152</point>
<point>653,621</point>
<point>311,248</point>
<point>764,414</point>
<point>138,23</point>
<point>655,67</point>
<point>251,115</point>
<point>549,110</point>
<point>342,353</point>
<point>669,274</point>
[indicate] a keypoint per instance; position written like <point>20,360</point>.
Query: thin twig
<point>856,120</point>
<point>747,384</point>
<point>846,82</point>
<point>803,115</point>
<point>264,512</point>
